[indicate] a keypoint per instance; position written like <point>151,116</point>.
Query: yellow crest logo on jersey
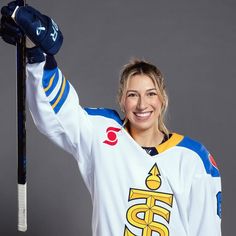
<point>142,215</point>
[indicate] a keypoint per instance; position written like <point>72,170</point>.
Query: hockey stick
<point>21,139</point>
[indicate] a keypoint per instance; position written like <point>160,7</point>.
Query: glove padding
<point>40,29</point>
<point>10,31</point>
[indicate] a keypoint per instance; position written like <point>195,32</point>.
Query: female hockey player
<point>165,183</point>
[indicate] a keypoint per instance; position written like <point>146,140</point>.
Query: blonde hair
<point>137,67</point>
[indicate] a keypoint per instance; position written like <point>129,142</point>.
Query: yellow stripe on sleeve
<point>61,93</point>
<point>50,83</point>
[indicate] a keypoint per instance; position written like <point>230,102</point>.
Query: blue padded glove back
<point>40,29</point>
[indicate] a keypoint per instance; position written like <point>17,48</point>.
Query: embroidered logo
<point>39,30</point>
<point>150,204</point>
<point>55,28</point>
<point>111,136</point>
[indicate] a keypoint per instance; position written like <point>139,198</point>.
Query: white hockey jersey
<point>176,192</point>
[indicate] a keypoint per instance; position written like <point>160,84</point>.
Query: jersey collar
<point>174,140</point>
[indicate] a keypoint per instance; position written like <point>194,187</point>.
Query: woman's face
<point>142,104</point>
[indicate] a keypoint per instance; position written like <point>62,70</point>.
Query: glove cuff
<point>34,55</point>
<point>51,63</point>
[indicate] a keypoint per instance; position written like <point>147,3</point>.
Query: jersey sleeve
<point>204,206</point>
<point>204,197</point>
<point>54,105</point>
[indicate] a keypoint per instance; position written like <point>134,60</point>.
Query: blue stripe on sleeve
<point>58,93</point>
<point>219,202</point>
<point>203,154</point>
<point>47,75</point>
<point>108,113</point>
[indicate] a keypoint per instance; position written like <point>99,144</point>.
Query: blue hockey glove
<point>40,29</point>
<point>9,30</point>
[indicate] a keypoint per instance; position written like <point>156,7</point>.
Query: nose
<point>142,104</point>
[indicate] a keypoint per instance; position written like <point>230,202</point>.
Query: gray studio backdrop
<point>192,42</point>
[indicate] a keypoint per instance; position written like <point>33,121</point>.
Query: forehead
<point>140,82</point>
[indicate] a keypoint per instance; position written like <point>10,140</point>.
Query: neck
<point>147,138</point>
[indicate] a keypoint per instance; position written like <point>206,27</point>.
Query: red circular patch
<point>111,136</point>
<point>212,161</point>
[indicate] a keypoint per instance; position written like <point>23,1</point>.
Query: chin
<point>143,127</point>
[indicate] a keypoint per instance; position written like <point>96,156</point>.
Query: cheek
<point>129,105</point>
<point>157,104</point>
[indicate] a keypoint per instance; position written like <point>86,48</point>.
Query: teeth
<point>142,114</point>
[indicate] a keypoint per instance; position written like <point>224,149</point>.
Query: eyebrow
<point>148,90</point>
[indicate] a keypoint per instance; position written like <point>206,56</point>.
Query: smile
<point>143,114</point>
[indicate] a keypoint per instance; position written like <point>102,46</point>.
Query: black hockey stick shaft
<point>21,130</point>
